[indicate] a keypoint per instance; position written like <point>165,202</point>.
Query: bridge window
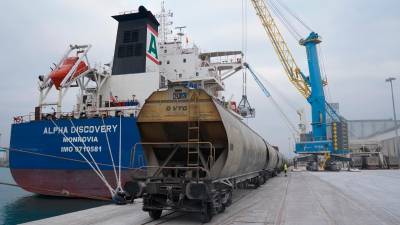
<point>129,51</point>
<point>139,49</point>
<point>131,36</point>
<point>121,51</point>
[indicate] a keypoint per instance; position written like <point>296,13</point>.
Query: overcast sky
<point>360,44</point>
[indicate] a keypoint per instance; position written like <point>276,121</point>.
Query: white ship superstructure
<point>141,65</point>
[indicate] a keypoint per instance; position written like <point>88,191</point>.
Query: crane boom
<point>268,95</point>
<point>285,56</point>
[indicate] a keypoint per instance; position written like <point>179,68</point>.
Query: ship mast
<point>165,23</point>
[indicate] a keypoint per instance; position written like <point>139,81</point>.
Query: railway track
<point>242,209</point>
<point>165,218</point>
<point>230,220</point>
<point>280,214</point>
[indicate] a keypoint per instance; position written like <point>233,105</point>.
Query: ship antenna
<point>180,32</point>
<point>165,23</point>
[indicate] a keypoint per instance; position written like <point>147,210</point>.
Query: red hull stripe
<point>69,183</point>
<point>153,59</point>
<point>152,30</point>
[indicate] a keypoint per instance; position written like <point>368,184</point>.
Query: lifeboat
<point>58,75</point>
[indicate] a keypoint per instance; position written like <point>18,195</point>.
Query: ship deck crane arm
<point>268,95</point>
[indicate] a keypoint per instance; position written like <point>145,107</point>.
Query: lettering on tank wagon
<point>176,108</point>
<point>91,143</point>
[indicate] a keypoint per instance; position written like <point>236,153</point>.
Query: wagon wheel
<point>222,208</point>
<point>206,213</point>
<point>229,202</point>
<point>155,214</point>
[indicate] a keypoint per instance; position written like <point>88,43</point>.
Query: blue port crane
<point>311,87</point>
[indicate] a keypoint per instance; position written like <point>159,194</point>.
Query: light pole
<point>390,80</point>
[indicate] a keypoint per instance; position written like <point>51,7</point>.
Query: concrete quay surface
<point>302,198</point>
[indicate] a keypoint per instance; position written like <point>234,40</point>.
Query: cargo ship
<point>91,151</point>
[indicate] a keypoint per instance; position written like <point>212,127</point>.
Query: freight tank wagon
<point>198,150</point>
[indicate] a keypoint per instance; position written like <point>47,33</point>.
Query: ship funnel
<point>136,47</point>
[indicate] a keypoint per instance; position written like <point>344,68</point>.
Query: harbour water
<point>18,206</point>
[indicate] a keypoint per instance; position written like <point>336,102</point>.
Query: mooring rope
<point>93,164</point>
<point>87,161</point>
<point>89,153</point>
<point>120,150</point>
<point>9,184</point>
<point>111,156</point>
<point>56,191</point>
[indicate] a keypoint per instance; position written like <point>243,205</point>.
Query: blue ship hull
<point>44,155</point>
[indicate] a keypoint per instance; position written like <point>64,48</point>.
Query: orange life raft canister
<point>58,75</point>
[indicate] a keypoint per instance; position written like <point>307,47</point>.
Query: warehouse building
<point>373,143</point>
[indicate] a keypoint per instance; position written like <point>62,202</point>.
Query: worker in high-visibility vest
<point>285,169</point>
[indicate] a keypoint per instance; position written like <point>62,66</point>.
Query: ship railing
<point>125,111</point>
<point>24,118</point>
<point>90,113</point>
<point>43,116</point>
